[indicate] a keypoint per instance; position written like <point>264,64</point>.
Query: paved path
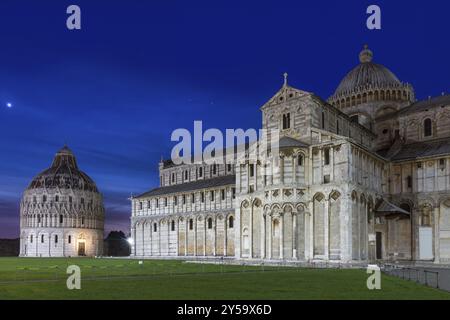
<point>444,276</point>
<point>429,275</point>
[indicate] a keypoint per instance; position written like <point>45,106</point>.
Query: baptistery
<point>61,212</point>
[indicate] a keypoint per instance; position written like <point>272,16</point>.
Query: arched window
<point>300,160</point>
<point>210,223</point>
<point>172,225</point>
<point>286,121</point>
<point>327,156</point>
<point>191,224</point>
<point>186,175</point>
<point>31,239</point>
<point>155,227</point>
<point>56,198</point>
<point>61,218</point>
<point>44,198</point>
<point>409,181</point>
<point>231,222</point>
<point>69,240</point>
<point>56,238</point>
<point>427,128</point>
<point>200,172</point>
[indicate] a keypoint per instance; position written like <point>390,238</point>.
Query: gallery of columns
<point>332,227</point>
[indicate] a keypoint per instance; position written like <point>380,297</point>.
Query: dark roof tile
<point>190,186</point>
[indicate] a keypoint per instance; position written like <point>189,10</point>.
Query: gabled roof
<point>418,106</point>
<point>384,207</point>
<point>423,149</point>
<point>288,142</point>
<point>284,94</point>
<point>424,105</point>
<point>190,186</point>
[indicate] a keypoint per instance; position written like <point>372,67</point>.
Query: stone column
<point>437,248</point>
<point>263,236</point>
<point>345,219</point>
<point>204,237</point>
<point>215,234</point>
<point>332,164</point>
<point>310,228</point>
<point>326,224</point>
<point>270,236</point>
<point>178,236</point>
<point>143,239</point>
<point>151,237</point>
<point>281,236</point>
<point>169,223</point>
<point>294,235</point>
<point>256,176</point>
<point>237,230</point>
<point>250,231</point>
<point>294,168</point>
<point>186,235</point>
<point>238,175</point>
<point>159,237</point>
<point>195,235</point>
<point>133,232</point>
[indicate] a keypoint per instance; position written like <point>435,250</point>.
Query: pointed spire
<point>285,75</point>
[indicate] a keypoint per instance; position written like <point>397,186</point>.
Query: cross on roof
<point>285,75</point>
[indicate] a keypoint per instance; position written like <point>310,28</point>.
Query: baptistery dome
<point>370,82</point>
<point>63,173</point>
<point>62,212</point>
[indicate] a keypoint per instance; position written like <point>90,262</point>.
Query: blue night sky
<point>137,70</point>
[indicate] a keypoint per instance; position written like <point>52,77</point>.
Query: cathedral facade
<point>360,177</point>
<point>61,212</point>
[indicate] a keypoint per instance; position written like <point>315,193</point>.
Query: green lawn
<point>42,278</point>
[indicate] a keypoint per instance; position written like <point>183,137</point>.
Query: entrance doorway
<point>379,253</point>
<point>81,249</point>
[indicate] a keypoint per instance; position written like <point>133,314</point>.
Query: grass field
<point>42,278</point>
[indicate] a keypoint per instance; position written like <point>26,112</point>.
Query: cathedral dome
<point>64,174</point>
<point>370,82</point>
<point>367,74</point>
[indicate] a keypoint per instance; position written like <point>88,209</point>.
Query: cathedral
<point>360,177</point>
<point>61,212</point>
